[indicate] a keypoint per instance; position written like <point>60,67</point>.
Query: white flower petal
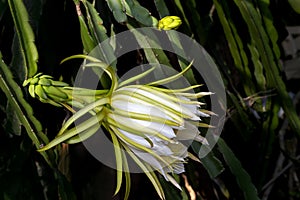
<point>133,104</point>
<point>201,139</point>
<point>194,109</point>
<point>168,103</point>
<point>131,107</point>
<point>189,133</point>
<point>178,168</point>
<point>163,129</point>
<point>155,97</point>
<point>179,150</point>
<point>149,109</point>
<point>202,114</point>
<point>136,138</point>
<point>161,148</point>
<point>151,160</point>
<point>160,128</point>
<point>129,125</point>
<point>140,124</point>
<point>158,147</point>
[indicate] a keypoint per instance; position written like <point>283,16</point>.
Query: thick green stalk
<point>257,32</point>
<point>235,45</point>
<point>25,35</point>
<point>23,110</point>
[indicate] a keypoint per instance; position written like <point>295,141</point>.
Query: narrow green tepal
<point>25,36</point>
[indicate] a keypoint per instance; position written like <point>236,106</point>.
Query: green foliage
<point>241,35</point>
<point>243,178</point>
<point>22,108</point>
<point>261,41</point>
<point>25,35</point>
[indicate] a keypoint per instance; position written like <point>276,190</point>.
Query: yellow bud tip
<point>169,23</point>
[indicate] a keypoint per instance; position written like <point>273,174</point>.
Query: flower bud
<point>169,22</point>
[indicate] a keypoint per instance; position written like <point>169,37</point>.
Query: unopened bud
<point>169,22</point>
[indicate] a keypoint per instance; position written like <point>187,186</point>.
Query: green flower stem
<point>82,112</point>
<point>94,120</point>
